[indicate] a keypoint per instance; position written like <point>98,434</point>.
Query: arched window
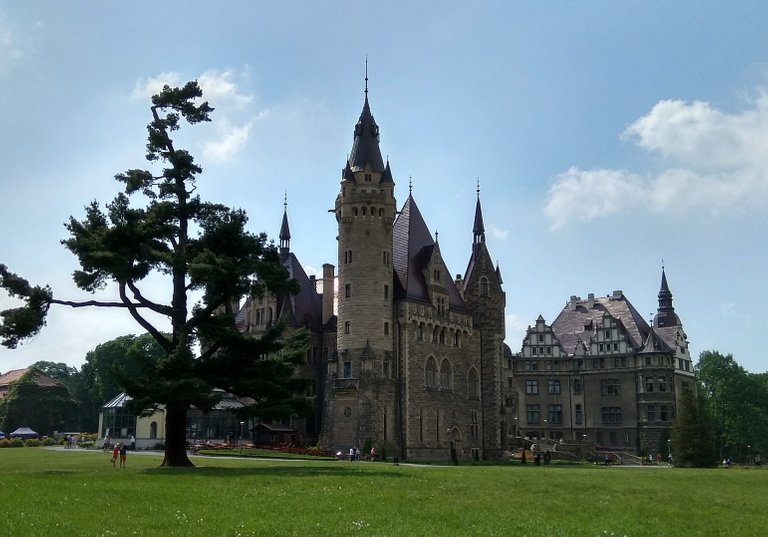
<point>456,338</point>
<point>420,332</point>
<point>435,334</point>
<point>473,386</point>
<point>153,430</point>
<point>442,336</point>
<point>484,289</point>
<point>445,375</point>
<point>346,327</point>
<point>430,373</point>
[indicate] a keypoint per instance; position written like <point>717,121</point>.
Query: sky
<point>608,139</point>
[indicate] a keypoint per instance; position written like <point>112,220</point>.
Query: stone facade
<point>601,376</point>
<point>414,360</point>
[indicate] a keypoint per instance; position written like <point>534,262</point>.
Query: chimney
<point>590,301</point>
<point>328,277</point>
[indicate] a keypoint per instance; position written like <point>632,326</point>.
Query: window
<point>367,177</point>
<point>473,426</point>
<point>663,413</point>
<point>532,387</point>
<point>607,334</point>
<point>577,386</point>
<point>347,371</point>
<point>445,375</point>
<point>347,256</point>
<point>651,412</point>
<point>626,438</point>
<point>436,275</point>
<point>430,373</point>
<point>484,288</point>
<point>553,387</point>
<point>346,327</point>
<point>620,362</point>
<point>420,332</point>
<point>386,291</point>
<point>555,413</point>
<point>456,338</point>
<point>648,384</point>
<point>615,346</point>
<point>385,370</point>
<point>549,350</point>
<point>578,415</point>
<point>532,413</point>
<point>472,384</point>
<point>434,335</point>
<point>541,338</point>
<point>347,290</point>
<point>153,430</point>
<point>609,387</point>
<point>442,336</point>
<point>385,257</point>
<point>663,384</point>
<point>386,329</point>
<point>531,365</point>
<point>611,414</point>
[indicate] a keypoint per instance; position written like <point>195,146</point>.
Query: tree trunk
<point>176,436</point>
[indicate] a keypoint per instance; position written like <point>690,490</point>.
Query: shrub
<point>16,442</point>
<point>33,442</point>
<point>48,441</point>
<point>4,442</point>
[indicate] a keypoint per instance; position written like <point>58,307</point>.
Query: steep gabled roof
<point>306,304</point>
<point>578,320</point>
<point>412,250</point>
<point>365,147</point>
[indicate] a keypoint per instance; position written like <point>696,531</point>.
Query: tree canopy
<point>44,409</point>
<point>208,258</point>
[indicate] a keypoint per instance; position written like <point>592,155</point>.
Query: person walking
<point>133,443</point>
<point>115,453</point>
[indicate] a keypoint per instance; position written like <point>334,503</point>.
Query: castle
<point>413,361</point>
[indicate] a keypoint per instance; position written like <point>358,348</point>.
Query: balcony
<point>345,384</point>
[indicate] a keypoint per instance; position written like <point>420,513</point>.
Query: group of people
<point>119,451</point>
<point>70,441</point>
<point>354,454</point>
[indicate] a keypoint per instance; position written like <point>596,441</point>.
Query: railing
<point>345,384</point>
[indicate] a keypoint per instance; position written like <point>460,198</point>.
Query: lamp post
<point>242,424</point>
<point>749,454</point>
<point>584,437</point>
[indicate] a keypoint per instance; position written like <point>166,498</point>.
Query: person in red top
<point>115,452</point>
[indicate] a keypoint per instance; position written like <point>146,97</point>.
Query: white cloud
<point>717,162</point>
<point>498,233</point>
<point>220,90</point>
<point>230,140</point>
<point>588,194</point>
<point>147,87</point>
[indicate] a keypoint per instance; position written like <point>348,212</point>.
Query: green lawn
<point>78,493</point>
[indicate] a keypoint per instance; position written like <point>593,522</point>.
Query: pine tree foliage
<point>203,250</point>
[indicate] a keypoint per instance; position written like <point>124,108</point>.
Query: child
<point>123,450</point>
<point>115,451</point>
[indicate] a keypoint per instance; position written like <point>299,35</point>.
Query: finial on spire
<point>437,234</point>
<point>285,200</point>
<point>410,185</point>
<point>366,76</point>
<point>478,188</point>
<point>662,263</point>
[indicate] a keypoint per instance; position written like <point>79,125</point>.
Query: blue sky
<point>606,137</point>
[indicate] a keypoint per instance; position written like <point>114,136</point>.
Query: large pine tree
<point>692,443</point>
<point>203,250</point>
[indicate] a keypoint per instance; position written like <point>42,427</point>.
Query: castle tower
<point>665,314</point>
<point>486,300</point>
<point>356,409</point>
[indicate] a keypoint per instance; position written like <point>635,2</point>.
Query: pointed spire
<point>285,232</point>
<point>665,315</point>
<point>479,228</point>
<point>365,147</point>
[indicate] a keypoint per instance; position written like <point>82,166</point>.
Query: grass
<point>46,492</point>
<point>260,453</point>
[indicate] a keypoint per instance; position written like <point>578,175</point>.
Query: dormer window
<point>367,177</point>
<point>436,275</point>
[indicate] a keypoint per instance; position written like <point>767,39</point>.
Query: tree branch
<point>158,308</point>
<point>154,332</point>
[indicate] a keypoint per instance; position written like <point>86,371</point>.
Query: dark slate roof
<point>304,306</point>
<point>479,227</point>
<point>654,343</point>
<point>412,250</point>
<point>573,323</point>
<point>285,232</point>
<point>365,147</point>
<point>665,315</point>
<point>386,177</point>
